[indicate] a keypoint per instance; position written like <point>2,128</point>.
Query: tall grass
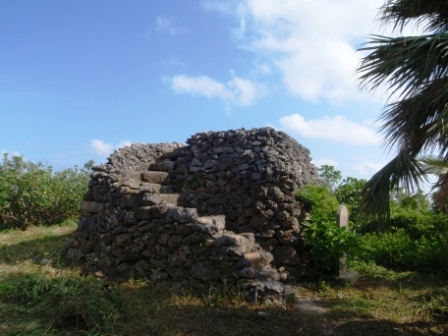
<point>63,302</point>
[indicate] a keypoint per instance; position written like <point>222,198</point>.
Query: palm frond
<point>432,14</point>
<point>431,164</point>
<point>440,195</point>
<point>402,171</point>
<point>415,71</point>
<point>439,130</point>
<point>420,121</point>
<point>406,64</point>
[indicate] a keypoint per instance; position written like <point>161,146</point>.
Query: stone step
<point>156,177</point>
<point>92,207</point>
<point>131,187</point>
<point>162,165</point>
<point>177,153</point>
<point>255,259</point>
<point>217,220</point>
<point>170,198</point>
<point>151,187</point>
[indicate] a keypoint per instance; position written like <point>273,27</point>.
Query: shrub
<point>32,194</point>
<point>328,243</point>
<point>319,202</point>
<point>416,239</point>
<point>400,249</point>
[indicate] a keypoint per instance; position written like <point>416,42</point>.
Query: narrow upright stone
<point>342,220</point>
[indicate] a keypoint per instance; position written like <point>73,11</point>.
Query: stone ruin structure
<point>221,208</point>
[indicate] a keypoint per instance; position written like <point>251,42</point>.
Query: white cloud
<point>101,148</point>
<point>165,24</point>
<point>264,69</point>
<point>238,91</point>
<point>311,43</point>
<point>337,128</point>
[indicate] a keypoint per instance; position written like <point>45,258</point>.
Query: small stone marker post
<point>342,220</point>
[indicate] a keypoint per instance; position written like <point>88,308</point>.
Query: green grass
<point>54,299</point>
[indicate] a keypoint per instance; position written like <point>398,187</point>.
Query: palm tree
<point>414,68</point>
<point>437,165</point>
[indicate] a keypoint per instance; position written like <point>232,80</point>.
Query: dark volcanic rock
<point>221,207</point>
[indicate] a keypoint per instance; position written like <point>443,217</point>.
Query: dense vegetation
<point>34,194</point>
<point>41,296</point>
<point>415,239</point>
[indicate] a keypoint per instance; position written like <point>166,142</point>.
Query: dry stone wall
<point>221,207</point>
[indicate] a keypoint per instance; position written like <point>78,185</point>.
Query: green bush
<point>416,238</point>
<point>328,243</point>
<point>400,249</point>
<point>318,202</point>
<point>32,194</point>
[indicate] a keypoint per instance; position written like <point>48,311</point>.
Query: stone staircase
<point>159,180</point>
<point>150,195</point>
<point>262,278</point>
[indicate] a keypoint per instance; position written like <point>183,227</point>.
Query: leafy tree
<point>330,176</point>
<point>318,202</point>
<point>349,193</point>
<point>415,68</point>
<point>32,194</point>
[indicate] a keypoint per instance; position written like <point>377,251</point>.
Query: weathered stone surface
<point>170,198</point>
<point>208,229</point>
<point>254,259</point>
<point>287,255</point>
<point>163,165</point>
<point>342,221</point>
<point>267,292</point>
<point>158,211</point>
<point>181,215</point>
<point>246,243</point>
<point>218,221</point>
<point>204,271</point>
<point>143,212</point>
<point>226,208</point>
<point>92,207</point>
<point>151,199</point>
<point>155,177</point>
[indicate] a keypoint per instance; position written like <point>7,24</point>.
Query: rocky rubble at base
<point>220,209</point>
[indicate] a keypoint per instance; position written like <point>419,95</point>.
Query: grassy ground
<point>53,299</point>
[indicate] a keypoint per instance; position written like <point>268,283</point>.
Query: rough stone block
<point>155,177</point>
<point>287,255</point>
<point>163,165</point>
<point>92,207</point>
<point>181,215</point>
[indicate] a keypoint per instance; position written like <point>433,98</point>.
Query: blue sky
<point>80,78</point>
